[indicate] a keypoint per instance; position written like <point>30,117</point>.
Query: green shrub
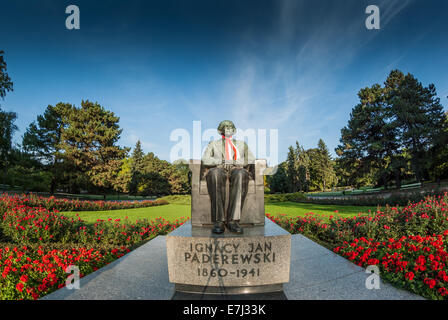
<point>396,199</point>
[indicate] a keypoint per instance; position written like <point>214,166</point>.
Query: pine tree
<point>7,128</point>
<point>137,166</point>
<point>418,114</point>
<point>391,124</point>
<point>369,138</point>
<point>292,170</point>
<point>89,142</point>
<point>5,81</point>
<point>439,155</point>
<point>326,168</point>
<point>303,168</point>
<point>137,157</point>
<point>42,139</point>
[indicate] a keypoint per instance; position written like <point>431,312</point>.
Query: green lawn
<point>169,212</point>
<point>172,212</point>
<point>294,209</point>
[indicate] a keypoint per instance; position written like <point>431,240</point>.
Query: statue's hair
<point>224,123</point>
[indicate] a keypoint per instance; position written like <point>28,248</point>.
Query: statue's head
<point>226,128</point>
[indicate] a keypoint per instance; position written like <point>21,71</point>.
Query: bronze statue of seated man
<point>227,159</point>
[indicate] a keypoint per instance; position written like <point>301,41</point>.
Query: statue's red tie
<point>230,146</point>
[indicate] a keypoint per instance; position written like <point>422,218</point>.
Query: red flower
<point>19,287</point>
<point>430,282</point>
<point>409,276</point>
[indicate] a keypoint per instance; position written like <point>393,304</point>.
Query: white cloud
<point>132,137</point>
<point>285,84</point>
<point>271,87</point>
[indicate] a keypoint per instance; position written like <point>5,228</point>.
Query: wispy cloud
<point>284,84</point>
<point>270,87</point>
<point>390,9</point>
<point>131,139</point>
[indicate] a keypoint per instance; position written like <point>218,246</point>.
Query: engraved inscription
<point>219,254</point>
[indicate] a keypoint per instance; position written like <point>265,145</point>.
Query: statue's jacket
<point>214,154</point>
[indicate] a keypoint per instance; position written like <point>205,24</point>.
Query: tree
<point>393,126</point>
<point>439,154</point>
<point>89,142</point>
<point>322,174</point>
<point>292,170</point>
<point>5,81</point>
<point>7,128</point>
<point>43,140</point>
<point>181,178</point>
<point>417,113</point>
<point>137,167</point>
<point>297,169</point>
<point>24,170</point>
<point>137,157</point>
<point>369,138</point>
<point>303,168</point>
<point>154,183</point>
<point>278,183</point>
<point>124,176</point>
<point>153,176</point>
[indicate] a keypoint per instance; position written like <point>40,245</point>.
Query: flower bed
<point>51,203</point>
<point>38,243</point>
<point>409,245</point>
<point>416,263</point>
<point>29,273</point>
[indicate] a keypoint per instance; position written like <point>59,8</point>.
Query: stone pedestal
<point>256,261</point>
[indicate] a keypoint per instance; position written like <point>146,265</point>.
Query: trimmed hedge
<point>396,199</point>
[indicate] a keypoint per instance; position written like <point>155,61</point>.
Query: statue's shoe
<point>234,226</point>
<point>219,227</point>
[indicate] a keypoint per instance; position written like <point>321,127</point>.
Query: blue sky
<point>290,65</point>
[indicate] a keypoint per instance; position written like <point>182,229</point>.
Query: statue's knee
<point>239,174</point>
<point>215,173</point>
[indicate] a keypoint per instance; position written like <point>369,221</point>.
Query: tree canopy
<point>392,130</point>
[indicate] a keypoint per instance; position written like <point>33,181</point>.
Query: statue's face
<point>228,130</point>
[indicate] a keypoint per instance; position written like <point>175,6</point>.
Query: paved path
<point>316,273</point>
<point>319,274</point>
